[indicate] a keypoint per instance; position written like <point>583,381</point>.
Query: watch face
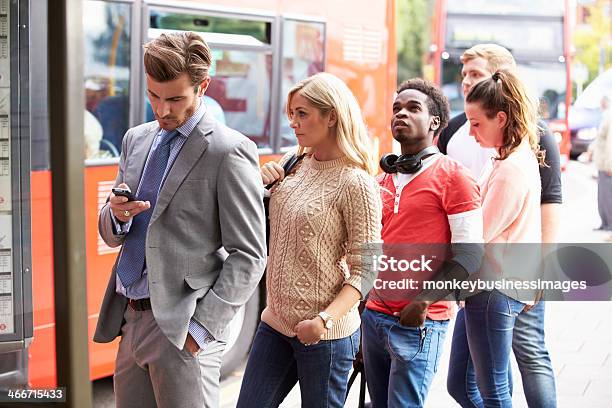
<point>328,322</point>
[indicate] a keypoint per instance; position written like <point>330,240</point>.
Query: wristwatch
<point>328,320</point>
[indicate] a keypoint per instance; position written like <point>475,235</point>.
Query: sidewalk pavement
<point>581,354</point>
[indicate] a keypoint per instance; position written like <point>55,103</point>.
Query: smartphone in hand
<point>124,192</point>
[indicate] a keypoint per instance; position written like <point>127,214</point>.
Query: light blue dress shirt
<point>140,288</point>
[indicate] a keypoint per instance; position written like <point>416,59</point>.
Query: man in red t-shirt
<point>431,219</point>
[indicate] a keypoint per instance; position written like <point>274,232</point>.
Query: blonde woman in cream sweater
<point>323,217</point>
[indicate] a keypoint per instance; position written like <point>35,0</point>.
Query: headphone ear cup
<point>408,164</point>
<point>411,163</point>
<point>387,163</point>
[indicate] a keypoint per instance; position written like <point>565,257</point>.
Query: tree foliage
<point>596,35</point>
<point>413,33</point>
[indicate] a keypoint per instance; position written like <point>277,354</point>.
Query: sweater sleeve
<point>361,212</point>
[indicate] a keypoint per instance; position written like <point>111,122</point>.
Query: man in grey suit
<point>193,240</point>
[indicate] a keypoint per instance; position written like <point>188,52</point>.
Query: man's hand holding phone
<point>124,205</point>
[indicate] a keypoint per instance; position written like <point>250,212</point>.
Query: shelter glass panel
<point>107,77</point>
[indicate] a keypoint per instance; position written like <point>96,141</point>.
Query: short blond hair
<point>497,57</point>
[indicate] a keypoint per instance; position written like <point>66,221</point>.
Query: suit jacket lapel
<point>139,155</point>
<point>190,153</point>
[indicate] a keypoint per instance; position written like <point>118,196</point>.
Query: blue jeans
<point>461,380</point>
<point>479,370</point>
<point>531,355</point>
<point>277,362</point>
<point>533,360</point>
<point>400,362</point>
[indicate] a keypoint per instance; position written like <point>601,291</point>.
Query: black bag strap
<point>449,131</point>
<point>362,385</point>
<point>288,167</point>
<point>358,368</point>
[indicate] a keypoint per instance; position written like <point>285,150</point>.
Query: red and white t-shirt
<point>440,204</point>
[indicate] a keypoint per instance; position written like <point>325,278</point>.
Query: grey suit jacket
<point>209,207</point>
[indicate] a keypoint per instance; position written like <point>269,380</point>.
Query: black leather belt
<point>140,304</point>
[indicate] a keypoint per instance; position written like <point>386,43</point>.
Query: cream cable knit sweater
<point>322,218</point>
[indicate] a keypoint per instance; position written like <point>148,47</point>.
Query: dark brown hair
<point>170,55</point>
<point>504,92</point>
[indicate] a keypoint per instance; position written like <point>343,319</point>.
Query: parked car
<point>585,113</point>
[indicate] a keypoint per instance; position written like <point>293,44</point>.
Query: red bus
<point>537,32</point>
<point>260,48</point>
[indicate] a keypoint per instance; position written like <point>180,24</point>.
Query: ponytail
<point>506,93</point>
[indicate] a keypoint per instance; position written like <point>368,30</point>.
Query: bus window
<point>241,87</point>
<point>303,56</point>
<point>546,81</point>
<point>451,84</point>
<point>537,38</point>
<point>504,7</point>
<point>107,77</point>
<point>213,28</point>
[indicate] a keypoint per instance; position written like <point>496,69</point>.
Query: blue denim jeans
<point>400,362</point>
<point>277,362</point>
<point>479,370</point>
<point>533,360</point>
<point>461,380</point>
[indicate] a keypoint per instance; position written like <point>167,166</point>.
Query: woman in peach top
<point>502,116</point>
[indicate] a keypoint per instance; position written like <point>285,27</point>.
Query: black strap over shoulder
<point>288,168</point>
<point>292,162</point>
<point>448,132</point>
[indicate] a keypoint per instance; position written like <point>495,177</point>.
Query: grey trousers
<point>604,199</point>
<point>151,372</point>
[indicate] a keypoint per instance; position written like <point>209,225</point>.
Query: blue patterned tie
<point>132,261</point>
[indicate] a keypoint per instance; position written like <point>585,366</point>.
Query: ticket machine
<point>15,238</point>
